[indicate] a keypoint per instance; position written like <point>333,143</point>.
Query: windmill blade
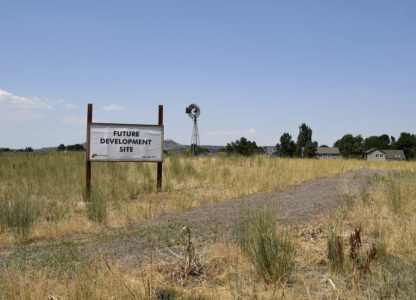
<point>193,111</point>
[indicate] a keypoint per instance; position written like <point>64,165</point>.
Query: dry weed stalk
<point>186,265</point>
<point>355,244</point>
<point>119,279</point>
<point>340,253</point>
<point>370,257</point>
<point>147,283</point>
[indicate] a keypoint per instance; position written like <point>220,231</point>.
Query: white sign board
<point>125,142</point>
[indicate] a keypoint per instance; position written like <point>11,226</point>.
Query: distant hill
<point>172,146</point>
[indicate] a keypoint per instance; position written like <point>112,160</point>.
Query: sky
<point>256,68</point>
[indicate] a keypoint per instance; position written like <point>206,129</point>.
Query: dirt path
<point>295,205</point>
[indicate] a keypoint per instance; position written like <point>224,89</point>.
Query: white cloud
<point>70,106</point>
<point>232,132</point>
<point>20,109</point>
<point>114,107</point>
<point>73,120</point>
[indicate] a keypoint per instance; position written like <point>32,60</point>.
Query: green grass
<point>18,213</point>
<point>335,250</point>
<point>271,253</point>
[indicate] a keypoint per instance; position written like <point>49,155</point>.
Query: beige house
<point>328,152</point>
<point>377,154</point>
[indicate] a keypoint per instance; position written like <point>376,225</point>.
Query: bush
<point>335,251</point>
<point>272,254</point>
<point>19,214</point>
<point>242,147</point>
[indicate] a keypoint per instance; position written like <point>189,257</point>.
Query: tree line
<point>349,146</point>
<point>355,146</point>
<point>75,147</point>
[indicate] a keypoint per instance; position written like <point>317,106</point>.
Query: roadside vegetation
<point>43,196</point>
<point>365,250</point>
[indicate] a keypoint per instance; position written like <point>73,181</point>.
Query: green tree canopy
<point>310,149</point>
<point>305,136</point>
<point>379,142</point>
<point>196,150</point>
<point>287,147</point>
<point>407,143</point>
<point>242,147</point>
<point>350,146</point>
<point>61,147</point>
<point>75,147</point>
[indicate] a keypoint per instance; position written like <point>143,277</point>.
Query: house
<point>328,152</point>
<point>377,154</point>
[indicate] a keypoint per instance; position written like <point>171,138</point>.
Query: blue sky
<point>256,68</point>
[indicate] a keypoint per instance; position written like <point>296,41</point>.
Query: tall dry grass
<point>50,188</point>
<point>386,216</point>
<point>42,196</point>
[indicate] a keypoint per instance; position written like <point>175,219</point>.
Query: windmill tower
<point>193,112</point>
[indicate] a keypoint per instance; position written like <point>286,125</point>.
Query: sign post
<point>159,164</point>
<point>88,162</point>
<point>112,142</point>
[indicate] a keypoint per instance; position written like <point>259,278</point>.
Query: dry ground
<point>298,206</point>
<point>144,254</point>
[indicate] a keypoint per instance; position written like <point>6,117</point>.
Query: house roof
<point>394,154</point>
<point>327,150</point>
<point>390,154</point>
<point>372,150</point>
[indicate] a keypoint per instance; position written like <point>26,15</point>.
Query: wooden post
<point>88,162</point>
<point>159,164</point>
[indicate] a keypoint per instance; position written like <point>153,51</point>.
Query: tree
<point>61,147</point>
<point>242,147</point>
<point>287,147</point>
<point>76,147</point>
<point>385,139</point>
<point>407,143</point>
<point>350,146</point>
<point>197,150</point>
<point>305,135</point>
<point>379,142</point>
<point>393,141</point>
<point>310,149</point>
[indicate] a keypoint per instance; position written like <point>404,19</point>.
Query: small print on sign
<point>125,142</point>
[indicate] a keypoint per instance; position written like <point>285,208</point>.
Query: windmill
<point>193,112</point>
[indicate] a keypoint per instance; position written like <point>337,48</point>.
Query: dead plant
<point>355,244</point>
<point>185,265</point>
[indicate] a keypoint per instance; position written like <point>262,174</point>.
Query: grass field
<point>42,200</point>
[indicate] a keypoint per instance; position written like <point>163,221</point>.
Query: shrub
<point>242,147</point>
<point>335,251</point>
<point>271,254</point>
<point>19,214</point>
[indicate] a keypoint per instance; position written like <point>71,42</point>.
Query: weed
<point>97,206</point>
<point>272,254</point>
<point>335,250</point>
<point>19,214</point>
<point>365,196</point>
